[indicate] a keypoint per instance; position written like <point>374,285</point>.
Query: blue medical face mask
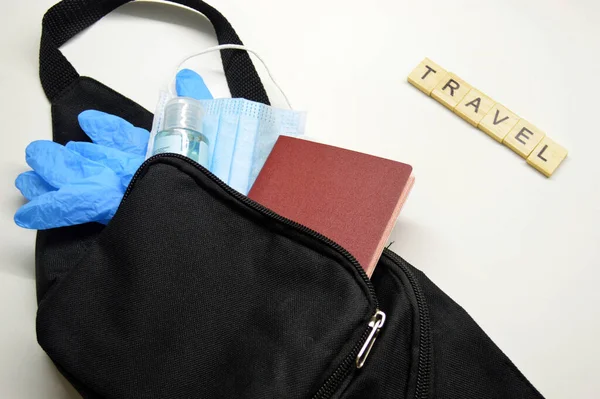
<point>240,133</point>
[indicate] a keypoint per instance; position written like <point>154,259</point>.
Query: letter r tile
<point>450,90</point>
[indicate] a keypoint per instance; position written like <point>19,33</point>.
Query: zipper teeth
<point>331,384</point>
<point>256,206</point>
<point>424,367</point>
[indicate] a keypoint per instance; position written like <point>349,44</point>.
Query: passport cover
<point>350,197</point>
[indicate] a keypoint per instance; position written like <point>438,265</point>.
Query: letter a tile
<point>474,107</point>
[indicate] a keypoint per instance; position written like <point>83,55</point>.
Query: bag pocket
<point>401,364</point>
<point>193,290</point>
<point>431,347</point>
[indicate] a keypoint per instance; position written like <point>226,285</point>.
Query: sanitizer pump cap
<point>184,113</point>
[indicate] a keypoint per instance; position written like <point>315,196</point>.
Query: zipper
<point>365,344</point>
<point>376,323</point>
<point>356,357</point>
<point>424,362</point>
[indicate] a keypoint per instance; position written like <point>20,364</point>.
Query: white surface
<point>520,252</point>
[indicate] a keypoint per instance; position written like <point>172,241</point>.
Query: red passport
<point>350,197</point>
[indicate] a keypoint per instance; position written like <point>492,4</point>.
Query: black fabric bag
<point>195,291</point>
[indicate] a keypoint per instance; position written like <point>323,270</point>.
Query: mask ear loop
<point>226,47</point>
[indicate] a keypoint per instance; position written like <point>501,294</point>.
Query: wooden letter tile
<point>474,106</point>
<point>450,90</point>
<point>498,122</point>
<point>426,76</point>
<point>523,138</point>
<point>547,156</point>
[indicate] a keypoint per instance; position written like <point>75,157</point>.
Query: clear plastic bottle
<point>182,130</point>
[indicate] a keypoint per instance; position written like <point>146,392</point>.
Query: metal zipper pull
<point>375,324</point>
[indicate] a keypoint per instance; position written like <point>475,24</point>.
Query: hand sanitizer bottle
<point>182,130</point>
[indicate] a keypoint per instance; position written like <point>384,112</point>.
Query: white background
<point>520,252</point>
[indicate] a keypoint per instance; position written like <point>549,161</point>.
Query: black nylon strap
<point>69,17</point>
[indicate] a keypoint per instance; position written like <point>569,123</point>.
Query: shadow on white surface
<point>63,386</point>
<point>409,238</point>
<point>165,12</point>
<point>19,258</point>
<point>405,233</point>
<point>20,262</point>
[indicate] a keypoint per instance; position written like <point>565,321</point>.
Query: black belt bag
<point>195,291</point>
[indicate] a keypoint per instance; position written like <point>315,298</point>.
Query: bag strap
<point>69,17</point>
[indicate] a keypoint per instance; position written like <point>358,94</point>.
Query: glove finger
<point>31,185</point>
<point>111,131</point>
<point>59,166</point>
<point>189,84</point>
<point>69,206</point>
<point>122,163</point>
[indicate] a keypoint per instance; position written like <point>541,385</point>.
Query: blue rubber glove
<point>79,190</point>
<point>85,182</point>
